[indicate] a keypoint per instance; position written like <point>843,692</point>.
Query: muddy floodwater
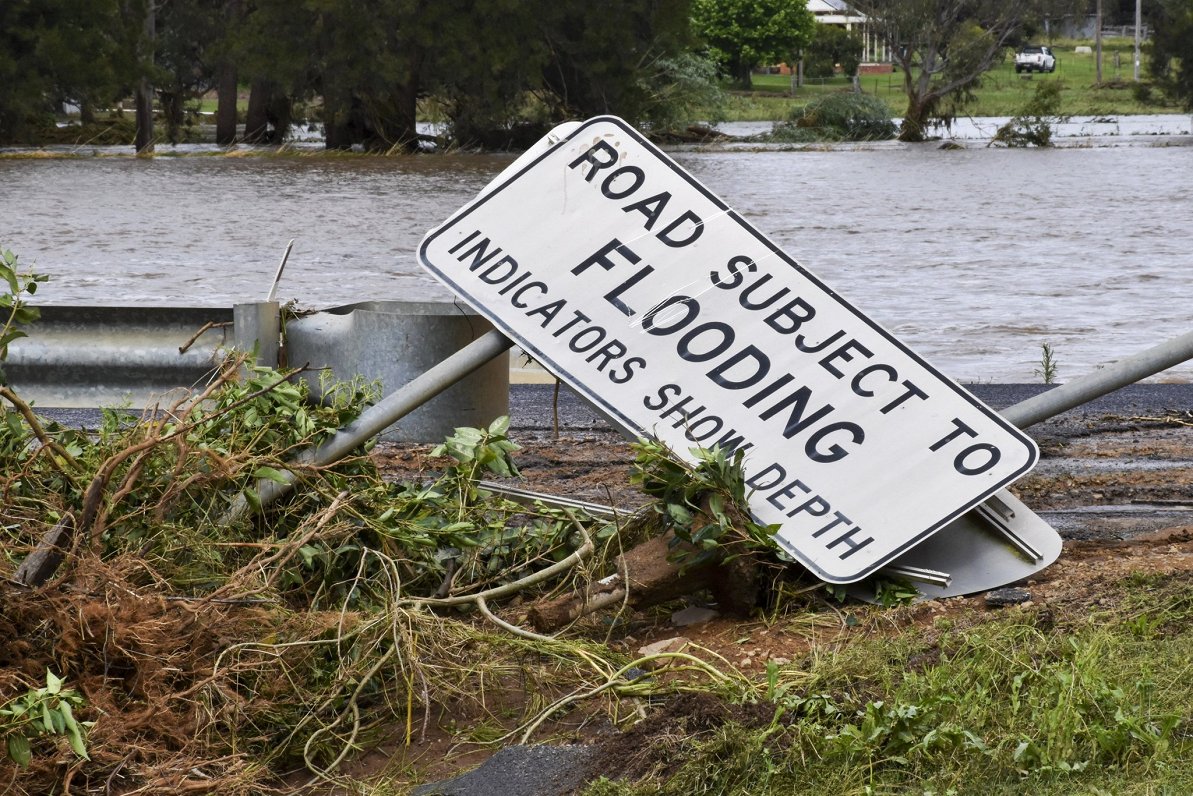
<point>974,257</point>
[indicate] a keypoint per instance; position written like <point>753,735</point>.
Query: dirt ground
<point>1118,489</point>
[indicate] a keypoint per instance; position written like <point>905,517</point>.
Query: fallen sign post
<point>658,303</point>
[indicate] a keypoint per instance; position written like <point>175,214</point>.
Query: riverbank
<point>1096,130</point>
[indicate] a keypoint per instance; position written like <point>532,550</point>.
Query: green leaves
<point>478,450</point>
<point>19,750</point>
<point>705,504</point>
<point>12,306</point>
<point>271,474</point>
<point>40,712</point>
<point>742,34</point>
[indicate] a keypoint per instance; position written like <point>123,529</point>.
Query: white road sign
<point>645,292</point>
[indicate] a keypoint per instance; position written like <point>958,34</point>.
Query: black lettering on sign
<point>612,191</point>
<point>699,425</point>
<point>965,461</point>
<point>652,207</point>
<point>600,155</point>
<point>602,257</point>
<point>624,181</point>
<point>772,482</point>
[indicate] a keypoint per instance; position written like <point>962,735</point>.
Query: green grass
<point>1002,93</point>
<point>1026,701</point>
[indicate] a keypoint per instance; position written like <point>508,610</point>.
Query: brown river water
<point>973,257</point>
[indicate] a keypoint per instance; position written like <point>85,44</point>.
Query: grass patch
<point>1017,702</point>
<point>1002,93</point>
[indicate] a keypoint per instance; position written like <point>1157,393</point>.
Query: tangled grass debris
<point>201,655</point>
<point>289,638</point>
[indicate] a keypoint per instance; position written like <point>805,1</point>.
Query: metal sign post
<point>635,284</point>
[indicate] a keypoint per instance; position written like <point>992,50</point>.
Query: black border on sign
<point>631,427</point>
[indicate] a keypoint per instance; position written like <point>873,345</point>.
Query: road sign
<point>640,288</point>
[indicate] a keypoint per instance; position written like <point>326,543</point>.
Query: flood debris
<point>211,656</point>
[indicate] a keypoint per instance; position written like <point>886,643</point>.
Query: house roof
<point>835,12</point>
<point>828,6</point>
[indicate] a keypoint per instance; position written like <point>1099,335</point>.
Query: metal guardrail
<point>110,356</point>
<point>89,357</point>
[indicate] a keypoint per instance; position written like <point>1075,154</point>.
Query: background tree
<point>1043,21</point>
<point>942,48</point>
<point>744,34</point>
<point>56,52</point>
<point>1171,56</point>
<point>599,52</point>
<point>185,56</point>
<point>832,46</point>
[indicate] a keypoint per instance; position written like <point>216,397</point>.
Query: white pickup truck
<point>1035,58</point>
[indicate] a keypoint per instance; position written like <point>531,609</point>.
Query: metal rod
<point>1006,532</point>
<point>425,387</point>
<point>527,496</point>
<point>1138,23</point>
<point>376,418</point>
<point>1102,381</point>
<point>922,574</point>
<point>277,277</point>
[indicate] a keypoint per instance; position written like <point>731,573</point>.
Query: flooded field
<point>975,257</point>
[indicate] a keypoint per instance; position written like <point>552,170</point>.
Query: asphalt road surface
<point>533,406</point>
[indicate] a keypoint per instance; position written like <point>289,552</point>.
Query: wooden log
<point>40,565</point>
<point>645,576</point>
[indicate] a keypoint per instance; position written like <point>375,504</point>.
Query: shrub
<point>1033,125</point>
<point>839,117</point>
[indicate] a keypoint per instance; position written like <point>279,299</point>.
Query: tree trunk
<point>344,122</point>
<point>143,96</point>
<point>399,127</point>
<point>172,113</point>
<point>225,113</point>
<point>143,99</point>
<point>742,76</point>
<point>338,130</point>
<point>915,121</point>
<point>278,111</point>
<point>256,119</point>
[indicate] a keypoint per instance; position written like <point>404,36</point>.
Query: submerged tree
<point>620,56</point>
<point>942,47</point>
<point>502,70</point>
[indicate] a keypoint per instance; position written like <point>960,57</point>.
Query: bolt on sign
<point>639,287</point>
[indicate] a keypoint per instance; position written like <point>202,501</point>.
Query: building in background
<point>839,12</point>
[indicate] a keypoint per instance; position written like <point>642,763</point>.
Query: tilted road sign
<point>636,285</point>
